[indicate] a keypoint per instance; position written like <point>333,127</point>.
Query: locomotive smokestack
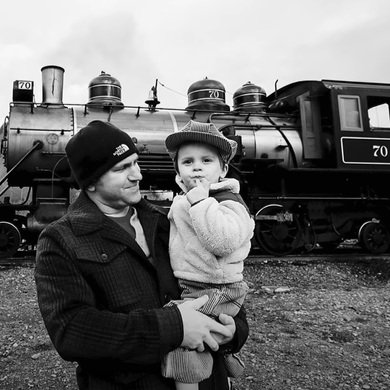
<point>52,84</point>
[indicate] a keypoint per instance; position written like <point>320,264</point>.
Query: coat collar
<point>86,218</point>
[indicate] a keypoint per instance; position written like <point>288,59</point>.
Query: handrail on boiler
<point>36,145</point>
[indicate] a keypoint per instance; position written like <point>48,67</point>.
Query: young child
<point>210,235</point>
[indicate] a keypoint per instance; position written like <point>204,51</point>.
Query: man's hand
<point>199,329</point>
<point>199,192</point>
<point>229,323</point>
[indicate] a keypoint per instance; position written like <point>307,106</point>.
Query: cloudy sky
<point>179,42</point>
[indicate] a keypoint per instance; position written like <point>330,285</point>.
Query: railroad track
<point>24,259</point>
<point>341,255</point>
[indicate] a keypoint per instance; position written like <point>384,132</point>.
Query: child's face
<point>199,161</point>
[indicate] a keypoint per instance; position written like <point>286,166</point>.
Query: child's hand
<point>199,192</point>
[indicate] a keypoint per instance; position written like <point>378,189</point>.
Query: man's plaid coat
<point>101,299</point>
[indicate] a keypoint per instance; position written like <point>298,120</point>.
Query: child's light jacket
<point>210,240</point>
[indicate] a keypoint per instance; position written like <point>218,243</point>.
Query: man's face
<point>199,161</point>
<point>119,187</point>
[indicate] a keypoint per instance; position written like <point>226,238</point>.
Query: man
<point>103,277</point>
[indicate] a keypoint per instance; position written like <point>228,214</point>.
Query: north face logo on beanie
<point>123,148</point>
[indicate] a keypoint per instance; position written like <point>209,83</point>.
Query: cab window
<point>350,113</point>
<point>378,113</point>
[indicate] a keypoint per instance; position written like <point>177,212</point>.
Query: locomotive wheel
<point>374,237</point>
<point>276,237</point>
<point>10,239</point>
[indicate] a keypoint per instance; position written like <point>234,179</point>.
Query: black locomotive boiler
<point>313,158</point>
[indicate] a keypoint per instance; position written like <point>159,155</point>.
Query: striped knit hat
<point>205,133</point>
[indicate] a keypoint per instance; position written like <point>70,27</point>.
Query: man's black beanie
<point>95,149</point>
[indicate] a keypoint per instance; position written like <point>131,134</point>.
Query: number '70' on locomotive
<point>313,158</point>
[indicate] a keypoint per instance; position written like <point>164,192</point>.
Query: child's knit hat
<point>205,133</point>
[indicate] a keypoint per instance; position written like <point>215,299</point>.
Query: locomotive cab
<point>341,190</point>
<point>361,123</point>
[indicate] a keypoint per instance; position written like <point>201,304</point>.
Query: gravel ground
<point>314,326</point>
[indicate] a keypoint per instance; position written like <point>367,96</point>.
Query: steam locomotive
<point>313,157</point>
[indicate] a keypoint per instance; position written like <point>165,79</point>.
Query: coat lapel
<point>149,220</point>
<point>112,232</point>
<point>87,218</point>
